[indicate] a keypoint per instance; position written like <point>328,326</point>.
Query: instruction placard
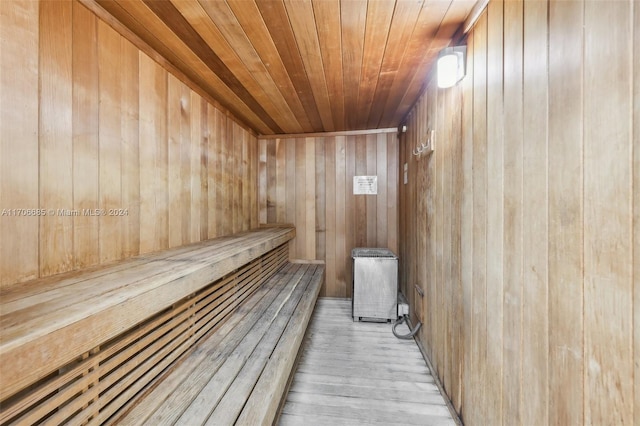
<point>365,185</point>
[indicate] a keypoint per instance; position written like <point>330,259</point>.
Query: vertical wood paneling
<point>371,202</point>
<point>393,198</point>
<point>301,189</point>
<point>512,391</point>
<point>109,129</point>
<point>147,157</point>
<point>239,173</point>
<point>636,212</point>
<point>263,146</point>
<point>455,290</point>
<point>331,216</point>
<point>85,134</point>
<point>381,227</point>
<point>320,219</point>
<point>162,158</point>
<point>566,265</point>
<point>253,193</point>
<point>253,144</point>
<point>253,200</point>
<point>219,175</point>
<point>469,410</point>
<point>548,218</point>
<point>56,141</point>
<point>19,33</point>
<point>495,210</point>
<point>309,206</point>
<point>425,221</point>
<point>411,222</point>
<point>238,143</point>
<point>110,137</point>
<point>359,154</point>
<point>351,220</point>
<point>436,226</point>
<point>203,179</point>
<point>342,279</point>
<point>402,226</point>
<point>608,282</point>
<point>330,220</point>
<point>290,167</point>
<point>174,121</point>
<point>195,189</point>
<point>229,170</point>
<point>185,166</point>
<point>246,181</point>
<point>535,324</point>
<point>422,173</point>
<point>211,159</point>
<point>479,244</point>
<point>281,182</point>
<point>270,181</point>
<point>447,284</point>
<point>130,149</point>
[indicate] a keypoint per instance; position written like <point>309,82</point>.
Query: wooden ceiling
<point>301,66</point>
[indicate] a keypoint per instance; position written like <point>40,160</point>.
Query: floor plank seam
<point>355,373</point>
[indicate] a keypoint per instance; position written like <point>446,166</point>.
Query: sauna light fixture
<point>451,66</point>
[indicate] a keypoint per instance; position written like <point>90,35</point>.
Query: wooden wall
<point>88,121</point>
<point>522,228</point>
<point>308,181</point>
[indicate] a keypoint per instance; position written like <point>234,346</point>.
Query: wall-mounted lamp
<point>451,66</point>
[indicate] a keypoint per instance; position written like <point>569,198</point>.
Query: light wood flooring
<point>359,373</point>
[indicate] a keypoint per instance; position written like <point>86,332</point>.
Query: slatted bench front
<point>239,374</point>
<point>78,348</point>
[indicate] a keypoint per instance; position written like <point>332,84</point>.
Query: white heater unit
<point>375,284</point>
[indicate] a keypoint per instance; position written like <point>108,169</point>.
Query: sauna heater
<point>375,284</point>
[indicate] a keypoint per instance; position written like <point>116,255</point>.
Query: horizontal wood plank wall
<point>308,181</point>
<point>110,130</point>
<point>521,228</point>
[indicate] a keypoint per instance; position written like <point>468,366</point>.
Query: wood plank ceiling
<point>301,66</point>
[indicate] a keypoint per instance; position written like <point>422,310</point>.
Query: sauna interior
<point>165,165</point>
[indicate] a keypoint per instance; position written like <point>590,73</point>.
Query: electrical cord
<point>411,333</point>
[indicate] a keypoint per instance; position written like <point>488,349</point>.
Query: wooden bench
<point>83,347</point>
<point>239,374</point>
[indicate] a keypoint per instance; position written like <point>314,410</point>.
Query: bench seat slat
<point>262,405</point>
<point>178,312</point>
<point>76,329</point>
<point>233,382</point>
<point>206,320</point>
<point>203,334</point>
<point>181,386</point>
<point>241,376</point>
<point>22,291</point>
<point>77,286</point>
<point>271,367</point>
<point>17,314</point>
<point>200,390</point>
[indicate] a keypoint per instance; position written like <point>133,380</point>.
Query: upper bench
<point>47,323</point>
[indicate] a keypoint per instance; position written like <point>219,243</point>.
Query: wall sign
<point>365,185</point>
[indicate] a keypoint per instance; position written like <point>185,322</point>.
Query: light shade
<point>451,66</point>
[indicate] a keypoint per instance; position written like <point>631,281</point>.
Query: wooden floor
<point>359,373</point>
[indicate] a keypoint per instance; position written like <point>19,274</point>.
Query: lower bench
<point>96,346</point>
<point>238,375</point>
